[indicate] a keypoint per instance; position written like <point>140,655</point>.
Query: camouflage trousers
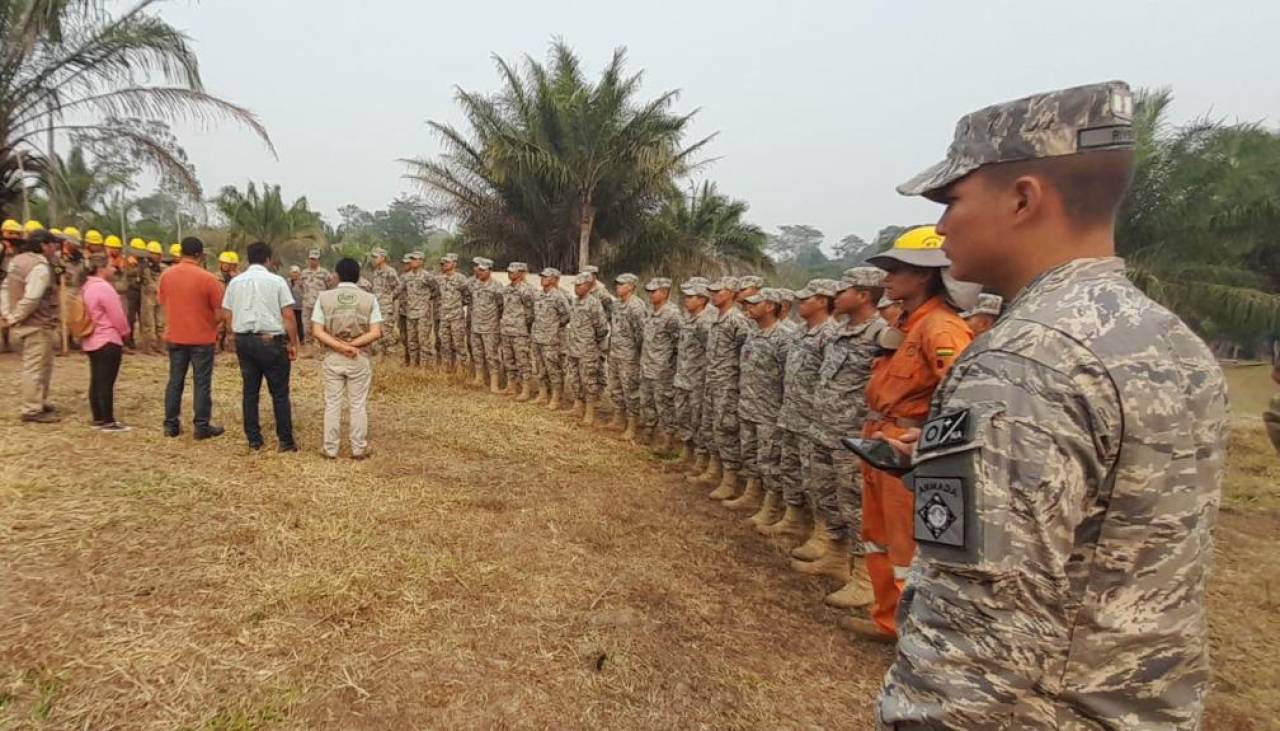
<point>420,340</point>
<point>759,451</point>
<point>486,352</point>
<point>308,307</point>
<point>151,324</point>
<point>624,385</point>
<point>821,486</point>
<point>582,377</point>
<point>516,359</point>
<point>453,342</point>
<point>724,423</point>
<point>688,408</point>
<point>390,326</point>
<point>657,403</point>
<point>792,466</point>
<point>548,365</point>
<point>1271,417</point>
<point>848,469</point>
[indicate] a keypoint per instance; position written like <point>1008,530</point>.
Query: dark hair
<point>876,294</point>
<point>98,262</point>
<point>34,243</point>
<point>192,246</point>
<point>1091,185</point>
<point>348,270</point>
<point>258,252</point>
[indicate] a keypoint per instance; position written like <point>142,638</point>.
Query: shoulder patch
<point>940,510</point>
<point>946,430</point>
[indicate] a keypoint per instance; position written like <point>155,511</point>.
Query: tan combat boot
<point>770,511</point>
<point>795,523</point>
<point>553,401</point>
<point>813,547</point>
<point>750,499</point>
<point>857,592</point>
<point>699,464</point>
<point>589,413</point>
<point>512,389</point>
<point>527,393</point>
<point>494,388</point>
<point>477,380</point>
<point>710,475</point>
<point>618,422</point>
<point>685,459</point>
<point>834,562</point>
<point>578,410</point>
<point>728,487</point>
<point>628,425</point>
<point>864,628</point>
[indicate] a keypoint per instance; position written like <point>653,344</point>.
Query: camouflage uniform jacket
<point>725,339</point>
<point>550,316</point>
<point>587,330</point>
<point>804,359</point>
<point>314,281</point>
<point>691,358</point>
<point>764,361</point>
<point>517,309</point>
<point>839,399</point>
<point>418,290</point>
<point>151,272</point>
<point>455,295</point>
<point>1066,487</point>
<point>386,287</point>
<point>626,329</point>
<point>486,306</point>
<point>606,299</point>
<point>661,342</point>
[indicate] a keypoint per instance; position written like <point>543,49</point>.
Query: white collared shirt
<point>255,298</point>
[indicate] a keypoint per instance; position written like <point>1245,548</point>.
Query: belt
<point>902,422</point>
<point>267,337</point>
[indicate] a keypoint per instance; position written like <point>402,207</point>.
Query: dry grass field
<point>491,566</point>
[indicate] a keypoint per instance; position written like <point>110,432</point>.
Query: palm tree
<point>554,163</point>
<point>702,234</point>
<point>253,216</point>
<point>69,67</point>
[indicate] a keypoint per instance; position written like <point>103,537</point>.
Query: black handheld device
<point>879,454</point>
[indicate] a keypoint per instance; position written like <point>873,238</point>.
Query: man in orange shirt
<point>924,343</point>
<point>192,302</point>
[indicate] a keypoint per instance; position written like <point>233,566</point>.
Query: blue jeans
<point>200,359</point>
<point>267,359</point>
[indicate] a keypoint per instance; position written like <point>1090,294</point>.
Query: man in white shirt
<point>346,321</point>
<point>259,306</point>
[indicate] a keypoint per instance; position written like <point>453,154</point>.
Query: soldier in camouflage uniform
<point>748,286</point>
<point>550,317</point>
<point>607,301</point>
<point>840,408</point>
<point>455,299</point>
<point>658,366</point>
<point>517,318</point>
<point>386,287</point>
<point>486,324</point>
<point>626,335</point>
<point>983,316</point>
<point>795,437</point>
<point>314,280</point>
<point>725,339</point>
<point>1068,476</point>
<point>151,317</point>
<point>585,338</point>
<point>418,289</point>
<point>764,358</point>
<point>690,376</point>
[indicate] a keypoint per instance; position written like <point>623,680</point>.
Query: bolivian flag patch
<point>945,352</point>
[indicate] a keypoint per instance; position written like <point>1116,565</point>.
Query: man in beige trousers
<point>346,321</point>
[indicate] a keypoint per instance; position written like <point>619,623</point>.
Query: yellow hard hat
<point>71,232</point>
<point>154,247</point>
<point>137,246</point>
<point>92,237</point>
<point>920,247</point>
<point>228,257</point>
<point>113,242</point>
<point>55,231</point>
<point>11,229</point>
<point>32,226</point>
<point>175,250</point>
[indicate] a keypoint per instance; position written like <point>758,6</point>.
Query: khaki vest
<point>46,312</point>
<point>347,311</point>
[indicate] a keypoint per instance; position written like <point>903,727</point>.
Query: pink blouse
<point>103,305</point>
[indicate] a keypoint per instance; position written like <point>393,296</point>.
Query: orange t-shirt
<point>902,384</point>
<point>192,302</point>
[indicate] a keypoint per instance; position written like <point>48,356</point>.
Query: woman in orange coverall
<point>923,345</point>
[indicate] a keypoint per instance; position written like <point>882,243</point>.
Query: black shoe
<point>44,417</point>
<point>255,446</point>
<point>116,427</point>
<point>209,432</point>
<point>288,448</point>
<point>97,423</point>
<point>172,431</point>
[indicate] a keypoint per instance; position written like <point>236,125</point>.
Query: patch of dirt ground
<point>491,566</point>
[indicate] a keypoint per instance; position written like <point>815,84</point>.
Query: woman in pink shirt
<point>106,344</point>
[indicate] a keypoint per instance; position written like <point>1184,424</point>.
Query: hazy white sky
<point>822,107</point>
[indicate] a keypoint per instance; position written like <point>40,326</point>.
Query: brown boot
<point>814,547</point>
<point>553,402</point>
<point>857,592</point>
<point>684,460</point>
<point>512,389</point>
<point>666,444</point>
<point>834,562</point>
<point>728,487</point>
<point>527,393</point>
<point>864,628</point>
<point>710,475</point>
<point>770,511</point>
<point>795,523</point>
<point>750,499</point>
<point>699,464</point>
<point>578,410</point>
<point>589,413</point>
<point>628,425</point>
<point>493,383</point>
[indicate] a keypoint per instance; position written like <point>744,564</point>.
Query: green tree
<point>253,216</point>
<point>404,226</point>
<point>70,68</point>
<point>703,234</point>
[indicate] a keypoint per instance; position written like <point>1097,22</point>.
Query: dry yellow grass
<point>492,566</point>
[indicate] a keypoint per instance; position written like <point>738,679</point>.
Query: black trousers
<point>104,366</point>
<point>267,359</point>
<point>200,360</point>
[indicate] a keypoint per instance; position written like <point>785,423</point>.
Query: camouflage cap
<point>1063,122</point>
<point>787,295</point>
<point>416,255</point>
<point>379,251</point>
<point>295,269</point>
<point>749,281</point>
<point>449,257</point>
<point>988,304</point>
<point>482,263</point>
<point>550,272</point>
<point>404,259</point>
<point>626,278</point>
<point>729,283</point>
<point>517,266</point>
<point>695,287</point>
<point>584,278</point>
<point>863,277</point>
<point>815,287</point>
<point>657,283</point>
<point>591,269</point>
<point>313,254</point>
<point>886,302</point>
